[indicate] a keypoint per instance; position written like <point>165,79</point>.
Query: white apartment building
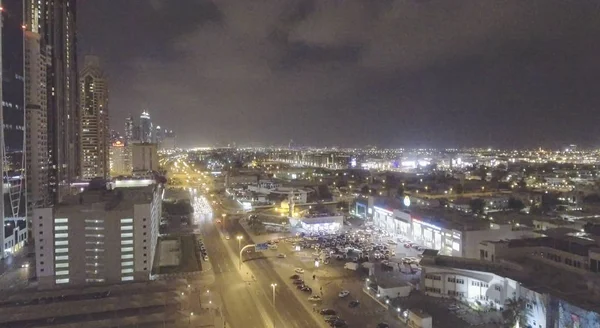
<point>98,236</point>
<point>144,157</point>
<point>553,297</point>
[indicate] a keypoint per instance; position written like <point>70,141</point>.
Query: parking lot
<point>391,260</point>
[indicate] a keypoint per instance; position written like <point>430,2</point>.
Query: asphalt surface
<point>248,295</point>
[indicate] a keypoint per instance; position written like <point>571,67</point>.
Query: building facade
<point>57,25</point>
<point>120,160</point>
<point>144,157</point>
<point>129,130</point>
<point>12,95</point>
<point>99,236</point>
<point>36,119</point>
<point>95,134</point>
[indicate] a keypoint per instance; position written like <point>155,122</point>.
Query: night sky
<point>404,73</point>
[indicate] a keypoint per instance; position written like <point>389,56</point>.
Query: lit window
<point>61,243</point>
<point>61,235</point>
<point>62,272</point>
<point>127,242</point>
<point>127,263</point>
<point>127,235</point>
<point>128,227</point>
<point>127,278</point>
<point>61,250</point>
<point>61,227</point>
<point>126,220</point>
<point>62,258</point>
<point>62,265</point>
<point>126,256</point>
<point>129,270</point>
<point>62,281</point>
<point>61,220</point>
<point>126,249</point>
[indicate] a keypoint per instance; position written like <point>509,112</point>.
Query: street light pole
<point>239,239</point>
<point>273,285</point>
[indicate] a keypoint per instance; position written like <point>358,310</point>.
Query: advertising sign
<point>261,247</point>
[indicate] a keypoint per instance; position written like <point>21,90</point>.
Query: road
<point>247,296</point>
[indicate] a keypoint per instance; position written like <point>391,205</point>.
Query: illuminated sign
<point>406,201</point>
<point>383,210</point>
<point>118,144</point>
<point>426,224</point>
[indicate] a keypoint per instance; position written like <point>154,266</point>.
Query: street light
<point>239,239</point>
<point>273,286</point>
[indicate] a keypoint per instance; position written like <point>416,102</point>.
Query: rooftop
<point>116,199</point>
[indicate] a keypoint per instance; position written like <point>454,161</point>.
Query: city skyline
<point>468,74</point>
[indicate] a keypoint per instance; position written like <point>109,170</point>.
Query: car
<point>299,270</point>
<point>299,286</point>
<point>294,276</point>
<point>383,325</point>
<point>315,298</point>
<point>344,293</point>
<point>327,312</point>
<point>453,307</point>
<point>353,304</point>
<point>281,255</point>
<point>227,237</point>
<point>298,282</point>
<point>306,289</point>
<point>331,317</point>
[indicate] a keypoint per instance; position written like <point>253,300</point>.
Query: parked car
<point>344,293</point>
<point>315,298</point>
<point>298,282</point>
<point>281,255</point>
<point>327,312</point>
<point>294,276</point>
<point>306,289</point>
<point>299,270</point>
<point>353,304</point>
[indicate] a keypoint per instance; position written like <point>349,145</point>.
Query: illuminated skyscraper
<point>145,128</point>
<point>58,30</point>
<point>129,130</point>
<point>95,136</point>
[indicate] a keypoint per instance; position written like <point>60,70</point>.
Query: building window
<point>62,281</point>
<point>127,278</point>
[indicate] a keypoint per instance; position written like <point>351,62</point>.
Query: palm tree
<point>516,312</point>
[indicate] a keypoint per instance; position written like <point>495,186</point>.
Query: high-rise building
<point>144,157</point>
<point>95,134</point>
<point>168,141</point>
<point>58,30</point>
<point>145,128</point>
<point>36,119</point>
<point>12,121</point>
<point>120,159</point>
<point>129,130</point>
<point>98,236</point>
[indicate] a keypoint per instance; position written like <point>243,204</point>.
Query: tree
<point>459,188</point>
<point>477,205</point>
<point>515,204</point>
<point>515,311</point>
<point>522,184</point>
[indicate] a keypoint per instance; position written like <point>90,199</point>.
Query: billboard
<point>261,247</point>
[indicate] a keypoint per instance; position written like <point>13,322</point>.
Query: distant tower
<point>95,135</point>
<point>145,127</point>
<point>129,128</point>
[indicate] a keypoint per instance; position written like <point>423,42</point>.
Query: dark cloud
<point>354,72</point>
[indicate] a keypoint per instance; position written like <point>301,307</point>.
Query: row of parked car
<point>201,249</point>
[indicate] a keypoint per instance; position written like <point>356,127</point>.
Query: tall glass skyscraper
<point>13,108</point>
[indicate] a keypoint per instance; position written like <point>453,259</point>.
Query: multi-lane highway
<point>247,293</point>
